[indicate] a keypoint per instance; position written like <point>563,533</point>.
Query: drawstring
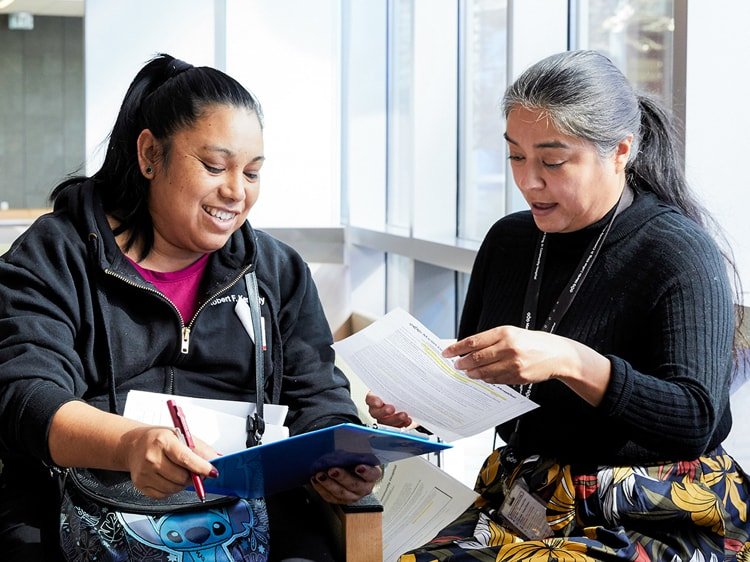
<point>104,309</point>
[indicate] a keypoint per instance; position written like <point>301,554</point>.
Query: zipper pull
<point>185,339</point>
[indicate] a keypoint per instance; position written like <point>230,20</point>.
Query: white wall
<point>717,121</point>
<point>119,38</point>
<point>717,125</point>
<point>287,53</point>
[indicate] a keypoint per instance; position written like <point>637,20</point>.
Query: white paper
<point>219,423</point>
<point>243,312</point>
<point>419,499</point>
<point>400,360</point>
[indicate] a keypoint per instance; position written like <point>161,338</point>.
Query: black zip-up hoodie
<point>74,312</point>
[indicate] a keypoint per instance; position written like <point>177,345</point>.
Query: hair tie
<point>178,66</point>
<point>173,68</point>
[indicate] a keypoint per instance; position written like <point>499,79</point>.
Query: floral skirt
<point>692,510</point>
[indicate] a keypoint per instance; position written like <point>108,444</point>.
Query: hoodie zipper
<point>184,329</point>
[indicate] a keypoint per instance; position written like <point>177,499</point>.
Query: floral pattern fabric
<point>684,511</point>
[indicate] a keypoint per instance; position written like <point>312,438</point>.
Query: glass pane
<point>42,109</point>
<point>400,113</point>
<point>462,286</point>
<point>483,81</point>
<point>637,35</point>
<point>398,282</point>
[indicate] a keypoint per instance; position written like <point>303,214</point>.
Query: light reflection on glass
<point>483,80</point>
<point>638,35</point>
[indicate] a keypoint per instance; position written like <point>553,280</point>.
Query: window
<point>638,35</point>
<point>401,114</point>
<point>483,72</point>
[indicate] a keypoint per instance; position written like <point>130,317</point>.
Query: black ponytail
<point>658,166</point>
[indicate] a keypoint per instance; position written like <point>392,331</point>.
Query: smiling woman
<point>121,288</point>
<point>203,184</point>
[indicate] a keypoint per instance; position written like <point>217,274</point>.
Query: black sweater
<point>657,302</point>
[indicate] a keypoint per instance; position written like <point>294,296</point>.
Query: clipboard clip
<point>254,426</point>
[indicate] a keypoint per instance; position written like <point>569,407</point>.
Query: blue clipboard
<point>267,469</point>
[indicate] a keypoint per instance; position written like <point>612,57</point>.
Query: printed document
<point>419,499</point>
<point>400,360</point>
<point>219,423</point>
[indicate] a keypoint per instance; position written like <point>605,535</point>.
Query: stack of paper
<point>219,423</point>
<point>419,499</point>
<point>400,360</point>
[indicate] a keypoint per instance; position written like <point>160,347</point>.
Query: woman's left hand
<point>340,485</point>
<point>512,355</point>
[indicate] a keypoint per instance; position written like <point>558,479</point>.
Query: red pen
<point>180,423</point>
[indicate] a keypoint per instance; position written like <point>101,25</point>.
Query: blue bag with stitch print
<point>104,518</point>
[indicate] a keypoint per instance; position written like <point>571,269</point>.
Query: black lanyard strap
<point>256,425</point>
<point>531,300</point>
<point>566,298</point>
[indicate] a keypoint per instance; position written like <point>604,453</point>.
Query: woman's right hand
<point>386,414</point>
<point>161,464</point>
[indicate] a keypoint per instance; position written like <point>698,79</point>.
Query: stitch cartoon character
<point>201,536</point>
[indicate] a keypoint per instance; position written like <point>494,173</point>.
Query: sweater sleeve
<point>40,369</point>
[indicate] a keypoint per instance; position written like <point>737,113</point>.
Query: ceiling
<point>44,7</point>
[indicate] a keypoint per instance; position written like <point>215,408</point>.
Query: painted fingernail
<point>360,470</point>
<point>335,473</point>
<point>322,477</point>
<point>214,473</point>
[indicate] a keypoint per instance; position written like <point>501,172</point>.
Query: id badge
<point>524,513</point>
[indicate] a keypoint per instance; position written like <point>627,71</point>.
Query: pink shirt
<point>180,287</point>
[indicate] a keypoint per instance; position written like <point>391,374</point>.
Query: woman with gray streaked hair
<point>607,303</point>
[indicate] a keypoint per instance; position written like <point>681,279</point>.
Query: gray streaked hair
<point>585,95</point>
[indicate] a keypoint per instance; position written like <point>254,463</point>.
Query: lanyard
<point>569,293</point>
<point>255,425</point>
